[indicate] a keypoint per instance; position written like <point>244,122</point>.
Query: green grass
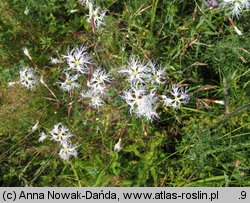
<point>201,144</point>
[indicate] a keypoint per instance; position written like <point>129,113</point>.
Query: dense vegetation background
<point>201,144</point>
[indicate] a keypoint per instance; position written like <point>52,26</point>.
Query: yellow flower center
<point>135,72</point>
<point>77,63</point>
<point>26,79</point>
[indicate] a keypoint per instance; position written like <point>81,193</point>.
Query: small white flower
<point>117,146</point>
<point>167,101</point>
<point>26,11</point>
<point>147,107</point>
<point>96,16</point>
<point>42,137</point>
<point>179,96</point>
<point>34,128</point>
<point>55,60</point>
<point>78,59</point>
<point>133,97</point>
<point>95,97</point>
<point>70,82</point>
<point>156,74</point>
<point>67,150</point>
<point>97,87</point>
<point>26,52</point>
<point>10,84</point>
<point>28,78</point>
<point>142,104</point>
<point>60,133</point>
<point>98,81</point>
<point>236,6</point>
<point>100,77</point>
<point>137,72</point>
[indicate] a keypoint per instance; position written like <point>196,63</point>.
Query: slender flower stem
<point>225,84</point>
<point>93,24</point>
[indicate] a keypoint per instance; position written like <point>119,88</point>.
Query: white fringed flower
<point>136,72</point>
<point>78,59</point>
<point>156,74</point>
<point>70,82</point>
<point>179,96</point>
<point>95,98</point>
<point>147,107</point>
<point>142,104</point>
<point>95,16</point>
<point>28,77</point>
<point>236,6</point>
<point>133,97</point>
<point>67,150</point>
<point>97,88</point>
<point>98,81</point>
<point>60,133</point>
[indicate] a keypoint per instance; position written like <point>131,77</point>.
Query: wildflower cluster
<point>97,88</point>
<point>144,80</point>
<point>77,61</point>
<point>62,135</point>
<point>145,91</point>
<point>80,65</point>
<point>124,92</point>
<point>27,75</point>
